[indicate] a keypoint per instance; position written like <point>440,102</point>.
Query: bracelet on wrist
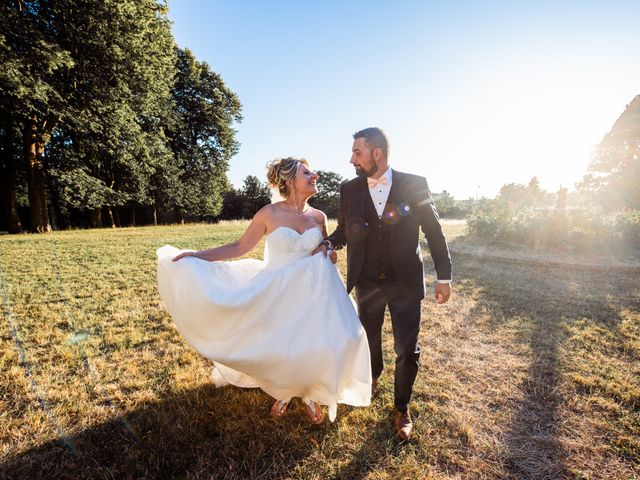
<point>327,243</point>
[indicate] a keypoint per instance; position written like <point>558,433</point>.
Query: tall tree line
<point>103,116</point>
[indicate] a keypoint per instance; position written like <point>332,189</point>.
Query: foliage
<point>244,202</point>
<point>448,207</point>
<point>518,194</point>
<point>490,219</point>
<point>201,138</point>
<point>78,189</point>
<point>577,229</point>
<point>328,197</point>
<point>615,168</point>
<point>256,194</point>
<point>120,116</point>
<point>247,200</point>
<point>624,225</point>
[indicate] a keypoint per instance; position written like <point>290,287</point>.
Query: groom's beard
<point>361,172</point>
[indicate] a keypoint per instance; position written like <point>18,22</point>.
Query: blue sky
<point>471,94</point>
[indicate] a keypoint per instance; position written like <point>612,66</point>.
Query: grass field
<point>531,371</point>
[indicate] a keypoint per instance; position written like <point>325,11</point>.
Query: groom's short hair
<point>374,137</point>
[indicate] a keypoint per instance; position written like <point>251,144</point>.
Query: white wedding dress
<point>285,324</point>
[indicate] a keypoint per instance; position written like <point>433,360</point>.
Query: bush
<point>497,220</point>
<point>489,219</point>
<point>579,230</point>
<point>624,226</point>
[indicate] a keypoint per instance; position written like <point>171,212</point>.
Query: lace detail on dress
<point>285,245</point>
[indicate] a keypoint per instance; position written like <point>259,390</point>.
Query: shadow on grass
<point>538,303</point>
<point>374,453</point>
<point>200,433</point>
<point>562,291</point>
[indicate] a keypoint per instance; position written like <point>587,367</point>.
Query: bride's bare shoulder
<point>270,211</point>
<point>318,215</point>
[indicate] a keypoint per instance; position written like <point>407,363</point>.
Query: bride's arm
<point>333,256</point>
<point>252,235</point>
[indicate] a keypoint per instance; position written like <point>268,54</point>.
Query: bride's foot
<point>314,411</point>
<point>279,407</point>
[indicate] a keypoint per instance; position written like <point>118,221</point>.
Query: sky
<point>471,94</point>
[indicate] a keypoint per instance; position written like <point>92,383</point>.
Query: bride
<point>284,324</point>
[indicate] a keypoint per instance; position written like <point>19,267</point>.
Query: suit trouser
<point>372,298</point>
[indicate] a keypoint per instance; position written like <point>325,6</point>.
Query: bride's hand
<point>320,248</point>
<point>182,255</point>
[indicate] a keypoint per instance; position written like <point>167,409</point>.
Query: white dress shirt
<point>380,193</point>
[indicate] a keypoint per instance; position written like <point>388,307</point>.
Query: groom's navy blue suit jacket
<point>409,208</point>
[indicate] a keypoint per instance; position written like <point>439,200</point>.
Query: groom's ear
<point>377,154</point>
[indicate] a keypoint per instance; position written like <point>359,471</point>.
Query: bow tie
<point>372,182</point>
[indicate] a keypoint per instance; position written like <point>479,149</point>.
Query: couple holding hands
<point>286,324</point>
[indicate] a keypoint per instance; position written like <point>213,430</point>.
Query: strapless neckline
<point>293,230</point>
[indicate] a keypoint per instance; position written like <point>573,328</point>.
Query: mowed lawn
<point>531,371</point>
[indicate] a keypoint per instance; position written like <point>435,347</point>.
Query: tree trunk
<point>9,201</point>
<point>154,215</point>
<point>179,215</point>
<point>35,177</point>
<point>95,218</point>
<point>59,216</point>
<point>112,221</point>
<point>9,184</point>
<point>53,218</point>
<point>133,216</point>
<point>117,217</point>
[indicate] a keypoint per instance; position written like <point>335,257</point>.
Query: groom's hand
<point>331,253</point>
<point>443,292</point>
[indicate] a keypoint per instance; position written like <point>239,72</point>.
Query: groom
<point>381,213</point>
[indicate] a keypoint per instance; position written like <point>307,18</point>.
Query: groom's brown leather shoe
<point>403,424</point>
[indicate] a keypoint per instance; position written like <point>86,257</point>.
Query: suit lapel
<point>394,193</point>
<point>363,196</point>
<point>391,208</point>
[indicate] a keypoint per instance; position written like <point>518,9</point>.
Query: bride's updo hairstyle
<point>282,169</point>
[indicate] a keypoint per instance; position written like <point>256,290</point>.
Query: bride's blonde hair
<point>282,169</point>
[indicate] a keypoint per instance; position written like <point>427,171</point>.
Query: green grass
<point>529,372</point>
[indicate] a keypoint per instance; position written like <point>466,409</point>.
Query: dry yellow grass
<point>531,371</point>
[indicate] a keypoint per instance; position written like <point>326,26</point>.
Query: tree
<point>514,193</point>
<point>100,111</point>
<point>255,195</point>
<point>519,195</point>
<point>561,199</point>
<point>95,76</point>
<point>232,205</point>
<point>30,102</point>
<point>113,140</point>
<point>445,204</point>
<point>328,197</point>
<point>9,161</point>
<point>535,194</point>
<point>201,138</point>
<point>614,171</point>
